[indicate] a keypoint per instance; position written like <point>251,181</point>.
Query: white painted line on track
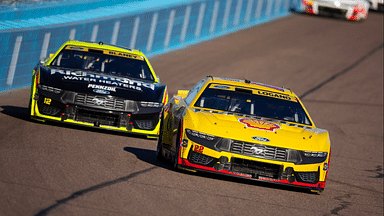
<point>269,8</point>
<point>169,28</point>
<point>238,12</point>
<point>44,48</point>
<point>226,14</point>
<point>247,18</point>
<point>258,9</point>
<point>72,34</point>
<point>200,19</point>
<point>185,23</point>
<point>214,17</point>
<point>115,33</point>
<point>15,56</point>
<point>134,33</point>
<point>95,30</point>
<point>152,32</point>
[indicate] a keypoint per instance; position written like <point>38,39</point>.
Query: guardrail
<point>154,31</point>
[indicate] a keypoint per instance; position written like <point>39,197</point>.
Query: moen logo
<point>101,91</point>
<point>259,124</point>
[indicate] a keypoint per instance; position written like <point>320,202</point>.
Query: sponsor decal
<point>262,139</point>
<point>199,149</point>
<point>75,48</point>
<point>253,83</point>
<point>47,101</point>
<point>184,143</point>
<point>257,150</point>
<point>101,87</point>
<point>276,95</point>
<point>259,124</point>
<point>104,79</point>
<point>325,167</point>
<point>108,52</point>
<point>221,87</point>
<point>101,91</point>
<point>126,55</point>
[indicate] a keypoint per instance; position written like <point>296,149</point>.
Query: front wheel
<point>159,150</point>
<point>29,110</point>
<point>177,151</point>
<point>176,158</point>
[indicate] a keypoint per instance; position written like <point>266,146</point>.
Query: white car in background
<point>348,9</point>
<point>377,5</point>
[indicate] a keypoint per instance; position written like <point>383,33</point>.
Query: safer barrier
<point>153,31</point>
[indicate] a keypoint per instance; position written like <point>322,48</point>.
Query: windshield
<point>97,60</point>
<point>252,102</point>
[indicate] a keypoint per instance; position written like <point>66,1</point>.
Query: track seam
<point>342,72</point>
<point>79,193</point>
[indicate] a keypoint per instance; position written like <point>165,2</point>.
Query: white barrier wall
<point>153,31</point>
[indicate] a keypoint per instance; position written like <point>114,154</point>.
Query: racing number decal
<point>198,148</point>
<point>47,101</point>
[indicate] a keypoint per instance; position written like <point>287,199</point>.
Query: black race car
<point>98,85</point>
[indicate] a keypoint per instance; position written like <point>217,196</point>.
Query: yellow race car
<point>244,129</point>
<point>98,85</point>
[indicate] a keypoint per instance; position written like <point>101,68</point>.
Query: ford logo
<point>262,139</point>
<point>101,91</point>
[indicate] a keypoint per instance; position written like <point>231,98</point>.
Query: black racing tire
<point>176,158</point>
<point>29,110</point>
<point>159,150</point>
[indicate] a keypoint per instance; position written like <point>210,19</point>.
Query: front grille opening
<point>145,121</point>
<point>100,102</point>
<point>90,116</point>
<point>307,177</point>
<point>259,151</point>
<point>49,110</point>
<point>255,168</point>
<point>52,108</point>
<point>198,158</point>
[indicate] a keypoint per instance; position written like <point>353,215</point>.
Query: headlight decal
<point>150,104</point>
<point>309,157</point>
<point>206,140</point>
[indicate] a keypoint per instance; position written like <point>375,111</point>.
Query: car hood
<point>256,130</point>
<point>89,82</point>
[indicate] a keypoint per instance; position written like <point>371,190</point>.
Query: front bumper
<point>84,109</point>
<point>196,156</point>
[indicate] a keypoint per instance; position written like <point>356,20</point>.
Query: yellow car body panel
<point>195,135</point>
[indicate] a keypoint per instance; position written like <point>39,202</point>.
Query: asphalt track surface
<point>335,65</point>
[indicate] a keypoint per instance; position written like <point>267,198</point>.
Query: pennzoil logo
<point>259,124</point>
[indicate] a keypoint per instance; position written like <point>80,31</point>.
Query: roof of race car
<point>251,84</point>
<point>101,45</point>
